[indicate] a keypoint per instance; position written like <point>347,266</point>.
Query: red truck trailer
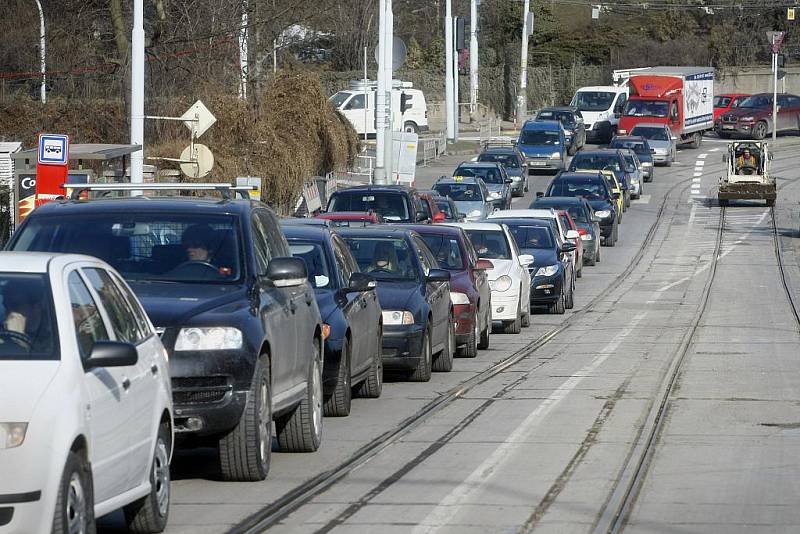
<point>681,97</point>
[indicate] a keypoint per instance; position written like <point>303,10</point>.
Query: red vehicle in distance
<point>429,202</point>
<point>727,102</point>
<point>354,219</point>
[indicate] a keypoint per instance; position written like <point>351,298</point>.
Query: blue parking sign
<point>53,149</point>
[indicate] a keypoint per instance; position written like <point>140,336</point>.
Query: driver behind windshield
<point>196,242</point>
<point>746,160</point>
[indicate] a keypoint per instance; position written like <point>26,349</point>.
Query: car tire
<point>75,500</point>
<point>626,202</point>
<point>515,326</point>
<point>593,260</point>
<point>470,350</point>
<point>597,255</point>
<point>372,387</point>
<point>338,404</point>
<point>150,513</point>
<point>579,272</point>
<point>569,299</point>
<point>611,240</point>
<point>525,320</point>
<point>723,202</point>
<point>557,308</point>
<point>301,430</point>
<point>245,452</point>
<point>443,363</point>
<point>770,202</point>
<point>483,342</point>
<point>668,163</point>
<point>422,372</point>
<point>760,130</point>
<point>411,127</point>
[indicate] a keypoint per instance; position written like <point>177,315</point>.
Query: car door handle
<point>126,384</point>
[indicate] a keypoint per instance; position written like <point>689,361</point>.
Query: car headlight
<point>494,195</point>
<point>555,155</point>
<point>397,317</point>
<point>603,214</point>
<point>547,270</point>
<point>12,434</point>
<point>501,284</point>
<point>213,338</point>
<point>474,213</point>
<point>459,298</point>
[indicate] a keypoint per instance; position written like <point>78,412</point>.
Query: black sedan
<point>414,295</point>
<point>351,315</point>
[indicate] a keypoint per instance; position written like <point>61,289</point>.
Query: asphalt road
<point>666,401</point>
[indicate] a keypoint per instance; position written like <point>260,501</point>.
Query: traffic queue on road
<point>198,321</point>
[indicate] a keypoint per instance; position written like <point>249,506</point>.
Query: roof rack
<point>224,189</point>
<point>503,141</point>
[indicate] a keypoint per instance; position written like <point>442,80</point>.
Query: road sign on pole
<point>789,13</point>
<point>775,39</point>
<point>52,167</point>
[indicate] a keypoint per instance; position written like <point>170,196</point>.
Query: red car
<point>569,224</point>
<point>352,218</point>
<point>428,202</point>
<point>469,284</point>
<point>726,102</point>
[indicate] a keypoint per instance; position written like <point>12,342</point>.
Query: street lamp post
<point>137,92</point>
<point>42,52</point>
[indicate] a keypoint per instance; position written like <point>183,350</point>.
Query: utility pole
<point>473,57</point>
<point>243,53</point>
<point>456,107</point>
<point>774,91</point>
<point>522,95</point>
<point>388,67</point>
<point>42,53</point>
<point>137,92</point>
<point>448,69</point>
<point>383,95</point>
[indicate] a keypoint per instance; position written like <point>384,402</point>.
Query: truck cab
<point>601,108</point>
<point>357,104</point>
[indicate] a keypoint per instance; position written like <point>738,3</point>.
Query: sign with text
<point>52,168</point>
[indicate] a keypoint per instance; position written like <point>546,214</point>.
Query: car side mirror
<point>361,282</point>
<point>539,194</point>
<point>438,217</point>
<point>438,275</point>
<point>111,354</point>
<point>525,259</point>
<point>573,234</point>
<point>287,272</point>
<point>617,114</point>
<point>508,180</point>
<point>568,247</point>
<point>484,265</point>
<point>615,195</point>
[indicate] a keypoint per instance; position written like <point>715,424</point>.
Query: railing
<point>488,129</point>
<point>433,148</point>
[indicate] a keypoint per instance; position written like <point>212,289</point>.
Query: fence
<point>488,129</point>
<point>433,148</point>
<point>6,215</point>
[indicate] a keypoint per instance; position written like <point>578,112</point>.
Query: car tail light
<point>582,231</point>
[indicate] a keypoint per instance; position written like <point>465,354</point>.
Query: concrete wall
<point>755,80</point>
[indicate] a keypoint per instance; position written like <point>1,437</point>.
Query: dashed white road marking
<point>702,156</point>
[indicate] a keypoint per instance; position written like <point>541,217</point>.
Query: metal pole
<point>366,98</point>
<point>448,69</point>
<point>243,53</point>
<point>473,57</point>
<point>456,107</point>
<point>388,159</point>
<point>137,91</point>
<point>522,95</point>
<point>774,94</point>
<point>380,101</point>
<point>42,53</point>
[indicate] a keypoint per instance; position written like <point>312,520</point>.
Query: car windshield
<point>591,189</point>
<point>392,206</point>
<point>646,108</point>
<point>738,101</point>
<point>386,259</point>
<point>340,98</point>
<point>145,246</point>
<point>595,162</point>
<point>509,160</point>
<point>721,101</point>
<point>756,101</point>
<point>490,244</point>
<point>593,100</point>
<point>460,192</point>
<point>539,137</point>
<point>630,163</point>
<point>636,146</point>
<point>651,133</point>
<point>531,236</point>
<point>564,117</point>
<point>490,175</point>
<point>446,250</point>
<point>312,254</point>
<point>28,328</point>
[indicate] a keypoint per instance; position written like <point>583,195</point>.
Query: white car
<point>566,234</point>
<point>85,399</point>
<point>509,279</point>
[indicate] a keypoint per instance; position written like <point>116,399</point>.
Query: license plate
<point>539,163</point>
<point>727,127</point>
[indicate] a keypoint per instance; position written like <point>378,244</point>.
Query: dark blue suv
<point>234,310</point>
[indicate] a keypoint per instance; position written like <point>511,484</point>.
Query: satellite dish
<point>199,164</point>
<point>399,53</point>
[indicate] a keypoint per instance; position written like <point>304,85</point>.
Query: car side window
<point>89,325</point>
<point>341,261</point>
<point>276,241</point>
<point>260,247</point>
<point>138,313</point>
<point>123,321</point>
<point>427,265</point>
<point>620,103</point>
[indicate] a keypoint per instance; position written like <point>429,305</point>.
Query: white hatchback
<point>85,399</point>
<point>509,279</point>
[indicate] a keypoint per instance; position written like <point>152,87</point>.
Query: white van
<point>601,108</point>
<point>358,104</point>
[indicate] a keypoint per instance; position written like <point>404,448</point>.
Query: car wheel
<point>611,240</point>
<point>526,316</point>
<point>301,430</point>
<point>338,404</point>
<point>527,188</point>
<point>483,343</point>
<point>149,514</point>
<point>470,350</point>
<point>515,326</point>
<point>668,163</point>
<point>75,501</point>
<point>372,387</point>
<point>244,453</point>
<point>422,373</point>
<point>597,254</point>
<point>411,127</point>
<point>579,272</point>
<point>569,299</point>
<point>627,202</point>
<point>443,363</point>
<point>770,202</point>
<point>760,130</point>
<point>557,308</point>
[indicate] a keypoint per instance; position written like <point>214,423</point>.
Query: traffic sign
<point>53,149</point>
<point>198,118</point>
<point>789,13</point>
<point>775,39</point>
